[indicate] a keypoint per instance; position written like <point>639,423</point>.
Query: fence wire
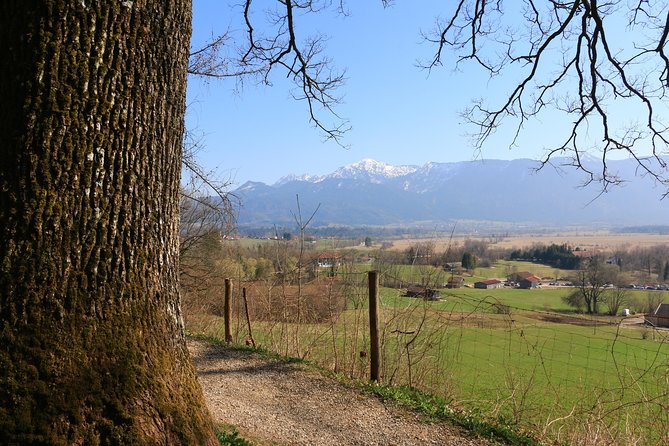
<point>564,377</point>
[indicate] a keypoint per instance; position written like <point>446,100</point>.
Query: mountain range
<point>373,193</point>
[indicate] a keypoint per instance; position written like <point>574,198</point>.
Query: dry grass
<point>589,241</point>
<point>315,302</point>
<point>604,240</point>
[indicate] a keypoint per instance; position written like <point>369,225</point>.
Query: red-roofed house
<point>489,284</point>
<point>530,281</point>
<point>525,280</point>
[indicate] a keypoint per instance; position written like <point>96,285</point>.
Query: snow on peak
<point>369,168</point>
<point>291,178</point>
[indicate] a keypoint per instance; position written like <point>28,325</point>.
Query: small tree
<point>615,298</point>
<point>420,253</point>
<point>575,300</point>
<point>468,261</point>
<point>590,283</point>
<point>653,299</point>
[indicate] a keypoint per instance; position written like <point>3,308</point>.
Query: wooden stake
<point>374,356</point>
<point>250,340</point>
<point>227,311</point>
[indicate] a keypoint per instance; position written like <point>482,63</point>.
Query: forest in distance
<point>503,232</point>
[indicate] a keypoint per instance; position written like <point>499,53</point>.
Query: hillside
<point>376,194</point>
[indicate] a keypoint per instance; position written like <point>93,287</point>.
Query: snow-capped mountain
<point>304,177</point>
<point>367,169</point>
<point>375,171</point>
<point>375,193</point>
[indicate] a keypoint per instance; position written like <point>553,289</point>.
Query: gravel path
<point>273,402</point>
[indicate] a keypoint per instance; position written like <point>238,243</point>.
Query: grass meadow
<point>517,357</point>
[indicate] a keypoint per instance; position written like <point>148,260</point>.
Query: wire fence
<point>564,377</point>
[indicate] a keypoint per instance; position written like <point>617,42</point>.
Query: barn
<point>489,284</point>
<point>455,282</point>
<point>660,317</point>
<point>525,280</point>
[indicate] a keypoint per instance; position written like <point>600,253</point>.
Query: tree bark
<point>92,351</point>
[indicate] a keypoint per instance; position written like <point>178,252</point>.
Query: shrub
<point>575,300</point>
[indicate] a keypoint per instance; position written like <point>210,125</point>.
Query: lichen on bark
<point>91,351</point>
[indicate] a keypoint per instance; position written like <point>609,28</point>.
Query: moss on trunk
<point>91,338</point>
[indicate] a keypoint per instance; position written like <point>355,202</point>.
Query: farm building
<point>529,282</point>
<point>455,282</point>
<point>517,277</point>
<point>489,284</point>
<point>660,317</point>
<point>329,260</point>
<point>525,280</point>
<point>453,266</point>
<point>421,291</point>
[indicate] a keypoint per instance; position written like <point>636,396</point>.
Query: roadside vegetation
<point>436,408</point>
<point>228,436</point>
<point>535,360</point>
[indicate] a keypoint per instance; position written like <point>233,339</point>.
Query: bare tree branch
<point>300,59</point>
<point>272,44</point>
<point>592,72</point>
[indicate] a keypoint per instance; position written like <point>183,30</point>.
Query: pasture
<point>534,364</point>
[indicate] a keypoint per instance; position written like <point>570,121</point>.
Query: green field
<point>519,356</point>
<point>503,268</point>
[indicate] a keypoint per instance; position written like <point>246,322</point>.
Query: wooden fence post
<point>248,320</point>
<point>227,310</point>
<point>374,355</point>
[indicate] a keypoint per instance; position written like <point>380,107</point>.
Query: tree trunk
<point>92,351</point>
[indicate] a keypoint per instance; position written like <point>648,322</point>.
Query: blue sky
<point>399,113</point>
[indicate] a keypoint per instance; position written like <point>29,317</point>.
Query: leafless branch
<point>206,204</point>
<point>592,72</point>
<point>299,58</point>
<point>211,61</point>
<point>272,44</point>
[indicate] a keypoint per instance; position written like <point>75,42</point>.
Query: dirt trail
<point>280,403</point>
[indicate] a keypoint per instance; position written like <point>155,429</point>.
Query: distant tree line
<point>653,261</point>
<point>558,256</point>
<point>646,229</point>
<point>343,231</point>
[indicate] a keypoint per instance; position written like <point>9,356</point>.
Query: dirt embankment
<point>280,403</point>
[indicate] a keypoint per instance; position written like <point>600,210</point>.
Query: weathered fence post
<point>374,355</point>
<point>227,310</point>
<point>250,340</point>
